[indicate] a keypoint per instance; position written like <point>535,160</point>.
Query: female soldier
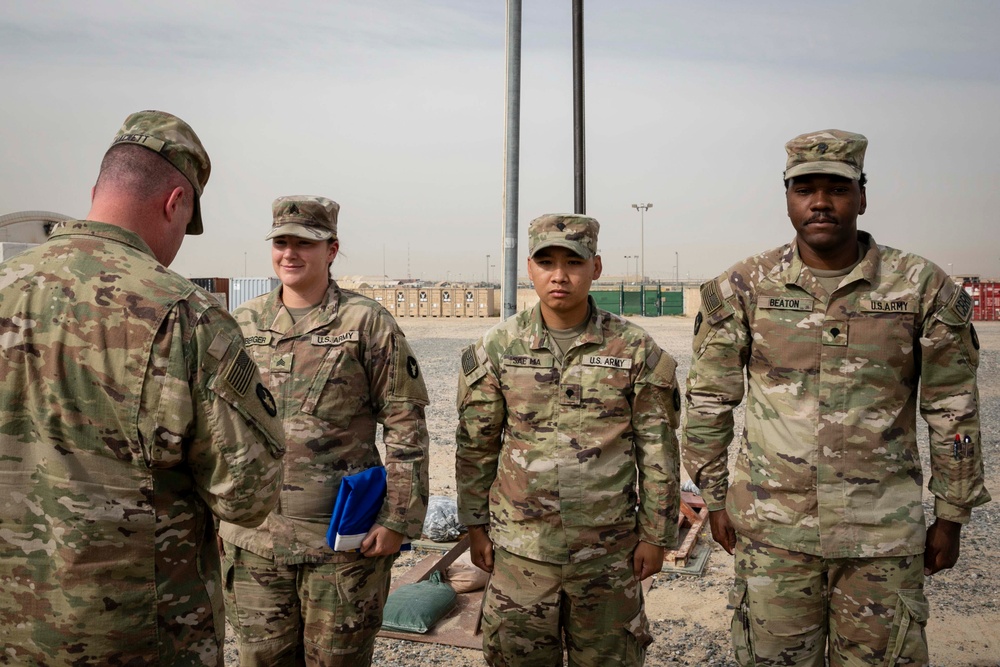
<point>337,364</point>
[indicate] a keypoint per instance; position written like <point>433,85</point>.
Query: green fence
<point>648,300</point>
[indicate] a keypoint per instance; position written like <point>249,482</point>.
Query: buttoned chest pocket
<point>529,393</point>
<point>604,389</point>
<point>339,388</point>
<point>785,332</point>
<point>881,346</point>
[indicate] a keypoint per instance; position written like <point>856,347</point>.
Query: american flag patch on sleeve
<point>240,373</point>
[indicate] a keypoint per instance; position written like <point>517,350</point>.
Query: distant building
<point>29,226</point>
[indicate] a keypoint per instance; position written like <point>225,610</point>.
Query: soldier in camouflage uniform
<point>567,464</point>
<point>339,365</point>
<point>131,415</point>
<point>834,334</point>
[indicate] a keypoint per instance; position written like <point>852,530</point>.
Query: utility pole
<point>579,134</point>
<point>511,158</point>
<point>642,208</point>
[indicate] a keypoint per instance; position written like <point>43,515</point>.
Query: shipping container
<point>985,300</point>
<point>447,303</point>
<point>244,289</point>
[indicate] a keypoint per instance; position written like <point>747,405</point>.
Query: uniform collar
<point>793,271</point>
<point>274,317</point>
<point>594,333</point>
<point>102,230</point>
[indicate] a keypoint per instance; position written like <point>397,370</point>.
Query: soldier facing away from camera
<point>567,464</point>
<point>839,340</point>
<point>131,418</point>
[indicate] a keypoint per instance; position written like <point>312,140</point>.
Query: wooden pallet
<point>460,626</point>
<point>690,521</point>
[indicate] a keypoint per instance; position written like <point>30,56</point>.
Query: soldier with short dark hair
<point>567,464</point>
<point>833,335</point>
<point>131,418</point>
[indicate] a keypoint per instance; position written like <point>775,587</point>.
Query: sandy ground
<point>688,613</point>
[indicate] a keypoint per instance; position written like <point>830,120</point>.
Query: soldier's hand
<point>722,530</point>
<point>942,546</point>
<point>481,548</point>
<point>221,544</point>
<point>647,560</point>
<point>381,541</point>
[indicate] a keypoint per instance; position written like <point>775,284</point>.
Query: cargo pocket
<point>742,645</point>
<point>907,637</point>
<point>637,638</point>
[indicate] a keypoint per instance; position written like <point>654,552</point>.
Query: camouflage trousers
<point>321,615</point>
<point>531,605</point>
<point>789,606</point>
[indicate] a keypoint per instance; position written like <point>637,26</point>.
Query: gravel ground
<point>688,614</point>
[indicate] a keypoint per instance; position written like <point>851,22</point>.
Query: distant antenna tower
<point>407,261</point>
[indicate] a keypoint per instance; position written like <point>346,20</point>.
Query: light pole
<point>677,267</point>
<point>487,270</point>
<point>642,208</point>
<point>627,258</point>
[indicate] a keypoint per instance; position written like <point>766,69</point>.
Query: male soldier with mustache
<point>834,333</point>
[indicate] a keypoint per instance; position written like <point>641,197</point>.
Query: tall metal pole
<point>579,148</point>
<point>512,147</point>
<point>487,269</point>
<point>642,208</point>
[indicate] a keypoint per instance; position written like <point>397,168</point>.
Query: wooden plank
<point>460,626</point>
<point>690,520</point>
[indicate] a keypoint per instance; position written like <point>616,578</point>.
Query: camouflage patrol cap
<point>177,143</point>
<point>826,152</point>
<point>576,232</point>
<point>308,217</point>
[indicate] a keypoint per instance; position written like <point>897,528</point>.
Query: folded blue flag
<point>359,500</point>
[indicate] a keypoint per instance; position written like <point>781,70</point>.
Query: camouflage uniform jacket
<point>336,373</point>
<point>128,418</point>
<point>559,458</point>
<point>828,463</point>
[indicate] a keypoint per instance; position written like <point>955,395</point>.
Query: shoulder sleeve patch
<point>963,305</point>
<point>711,300</point>
<point>407,378</point>
<point>469,360</point>
<point>666,368</point>
<point>240,372</point>
<point>958,310</point>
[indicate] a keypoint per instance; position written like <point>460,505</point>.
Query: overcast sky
<point>395,109</point>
